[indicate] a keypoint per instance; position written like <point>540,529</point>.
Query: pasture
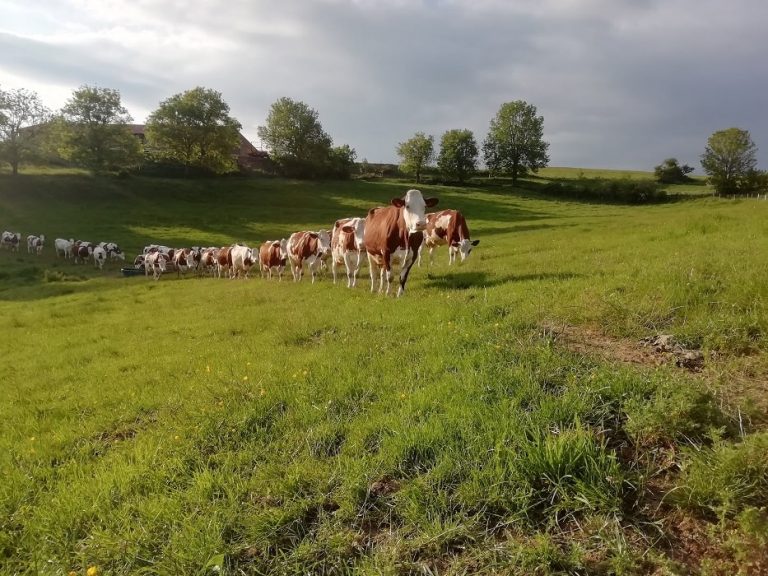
<point>502,417</point>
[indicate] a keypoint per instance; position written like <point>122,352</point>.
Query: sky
<point>620,84</point>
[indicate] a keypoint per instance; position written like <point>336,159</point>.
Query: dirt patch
<point>741,382</point>
<point>651,351</point>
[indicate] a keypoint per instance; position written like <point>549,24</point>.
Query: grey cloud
<point>620,84</point>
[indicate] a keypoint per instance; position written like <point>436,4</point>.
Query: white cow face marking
<point>414,210</point>
<point>465,247</point>
<point>324,242</point>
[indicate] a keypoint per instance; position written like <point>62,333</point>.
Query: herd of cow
<point>389,235</point>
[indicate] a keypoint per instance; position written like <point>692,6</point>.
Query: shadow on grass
<point>481,279</point>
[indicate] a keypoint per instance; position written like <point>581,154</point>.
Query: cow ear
<point>475,242</point>
<point>399,202</point>
<point>430,202</point>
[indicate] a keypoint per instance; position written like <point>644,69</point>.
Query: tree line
<point>195,130</point>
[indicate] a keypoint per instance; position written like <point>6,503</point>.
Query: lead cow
<point>395,233</point>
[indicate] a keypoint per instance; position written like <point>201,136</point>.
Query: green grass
<point>177,426</point>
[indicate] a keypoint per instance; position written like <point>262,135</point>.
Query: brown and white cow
<point>185,259</point>
<point>347,247</point>
<point>81,250</point>
<point>223,260</point>
<point>395,232</point>
<point>208,261</point>
<point>309,247</point>
<point>156,263</point>
<point>447,227</point>
<point>35,244</point>
<point>273,254</point>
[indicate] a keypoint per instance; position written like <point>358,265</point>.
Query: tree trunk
<point>14,167</point>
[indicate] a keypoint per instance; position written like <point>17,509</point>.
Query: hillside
<point>514,414</point>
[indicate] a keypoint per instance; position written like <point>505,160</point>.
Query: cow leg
<point>431,255</point>
<point>413,241</point>
<point>373,271</point>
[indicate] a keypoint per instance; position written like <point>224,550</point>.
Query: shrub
<point>622,191</point>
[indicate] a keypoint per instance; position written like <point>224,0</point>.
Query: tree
<point>458,155</point>
<point>341,161</point>
<point>194,128</point>
<point>514,144</point>
<point>416,154</point>
<point>670,172</point>
<point>728,159</point>
<point>21,113</point>
<point>296,139</point>
<point>98,136</point>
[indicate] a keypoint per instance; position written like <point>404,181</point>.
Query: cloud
<point>620,83</point>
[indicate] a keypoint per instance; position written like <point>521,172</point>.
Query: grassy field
<point>503,417</point>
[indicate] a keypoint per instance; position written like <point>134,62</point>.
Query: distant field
<point>503,417</point>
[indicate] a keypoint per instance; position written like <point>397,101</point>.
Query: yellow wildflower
<point>92,571</point>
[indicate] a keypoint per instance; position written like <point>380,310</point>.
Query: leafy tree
<point>514,144</point>
<point>296,139</point>
<point>458,155</point>
<point>195,129</point>
<point>755,181</point>
<point>341,161</point>
<point>21,114</point>
<point>416,154</point>
<point>728,159</point>
<point>98,136</point>
<point>670,172</point>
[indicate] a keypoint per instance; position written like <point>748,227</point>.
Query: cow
<point>64,247</point>
<point>347,247</point>
<point>447,227</point>
<point>395,232</point>
<point>223,260</point>
<point>208,260</point>
<point>113,250</point>
<point>35,244</point>
<point>309,247</point>
<point>273,256</point>
<point>99,255</point>
<point>185,259</point>
<point>11,240</point>
<point>241,258</point>
<point>156,262</point>
<point>138,262</point>
<point>81,250</point>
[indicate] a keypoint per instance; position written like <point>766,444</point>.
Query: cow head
<point>324,243</point>
<point>414,207</point>
<point>464,247</point>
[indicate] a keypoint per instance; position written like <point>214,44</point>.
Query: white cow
<point>242,259</point>
<point>64,247</point>
<point>347,247</point>
<point>35,244</point>
<point>99,255</point>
